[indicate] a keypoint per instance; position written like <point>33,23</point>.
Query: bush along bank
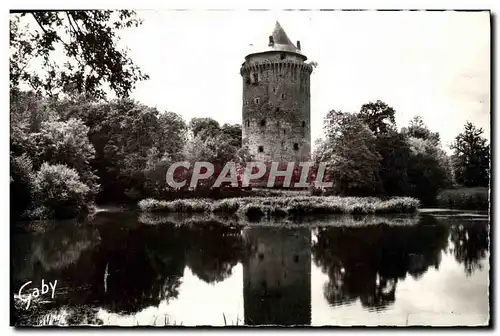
<point>464,198</point>
<point>285,206</point>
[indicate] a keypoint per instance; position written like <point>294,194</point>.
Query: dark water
<point>122,269</point>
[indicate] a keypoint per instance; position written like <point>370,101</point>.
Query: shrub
<point>230,205</point>
<point>286,206</point>
<point>464,198</point>
<point>59,191</point>
<point>152,205</point>
<point>65,142</point>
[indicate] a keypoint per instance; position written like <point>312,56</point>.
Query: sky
<point>432,64</point>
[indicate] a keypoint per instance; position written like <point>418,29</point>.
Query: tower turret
<point>276,101</point>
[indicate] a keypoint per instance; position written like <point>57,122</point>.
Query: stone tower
<point>276,122</point>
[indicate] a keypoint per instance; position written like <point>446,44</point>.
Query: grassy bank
<point>464,198</point>
<point>252,207</point>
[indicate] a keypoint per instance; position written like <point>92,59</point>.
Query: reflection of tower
<point>277,276</point>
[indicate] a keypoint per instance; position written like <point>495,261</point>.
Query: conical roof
<point>281,42</point>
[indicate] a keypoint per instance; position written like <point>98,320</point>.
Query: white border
<point>191,4</point>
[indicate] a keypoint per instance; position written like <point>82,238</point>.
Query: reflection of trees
<point>139,267</point>
<point>366,262</point>
<point>130,267</point>
<point>470,244</point>
<point>54,254</point>
<point>213,250</point>
<point>45,255</point>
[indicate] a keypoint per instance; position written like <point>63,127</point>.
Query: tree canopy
<point>77,52</point>
<point>471,157</point>
<point>350,153</point>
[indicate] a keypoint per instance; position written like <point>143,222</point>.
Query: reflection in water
<point>470,244</point>
<point>144,267</point>
<point>34,254</point>
<point>366,263</point>
<point>213,250</point>
<point>121,266</point>
<point>277,276</point>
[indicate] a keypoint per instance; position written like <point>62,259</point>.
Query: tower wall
<point>276,122</point>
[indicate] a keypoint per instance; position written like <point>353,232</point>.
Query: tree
<point>28,110</point>
<point>173,133</point>
<point>88,40</point>
<point>378,116</point>
<point>131,138</point>
<point>391,145</point>
<point>65,142</point>
<point>395,152</point>
<point>350,153</point>
<point>428,165</point>
<point>208,126</point>
<point>417,129</point>
<point>234,132</point>
<point>471,157</point>
<point>134,143</point>
<point>59,191</point>
<point>21,183</point>
<point>426,173</point>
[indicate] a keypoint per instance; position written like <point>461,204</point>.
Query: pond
<point>119,270</point>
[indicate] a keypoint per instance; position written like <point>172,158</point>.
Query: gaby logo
<point>242,176</point>
<point>35,292</point>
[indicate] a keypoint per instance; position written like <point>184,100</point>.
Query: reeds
<point>285,206</point>
<point>464,198</point>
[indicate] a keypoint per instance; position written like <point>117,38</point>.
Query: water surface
<point>120,270</point>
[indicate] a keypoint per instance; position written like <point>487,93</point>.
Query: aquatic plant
<point>285,206</point>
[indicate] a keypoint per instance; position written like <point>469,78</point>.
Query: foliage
<point>234,134</point>
<point>390,144</point>
<point>207,126</point>
<point>134,144</point>
<point>471,158</point>
<point>428,165</point>
<point>38,137</point>
<point>395,152</point>
<point>64,142</point>
<point>464,198</point>
<point>365,151</point>
<point>59,190</point>
<point>350,153</point>
<point>88,40</point>
<point>285,206</point>
<point>378,116</point>
<point>173,134</point>
<point>21,183</point>
<point>28,110</point>
<point>216,146</point>
<point>417,129</point>
<point>427,170</point>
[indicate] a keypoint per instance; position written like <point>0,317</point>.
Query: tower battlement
<point>266,64</point>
